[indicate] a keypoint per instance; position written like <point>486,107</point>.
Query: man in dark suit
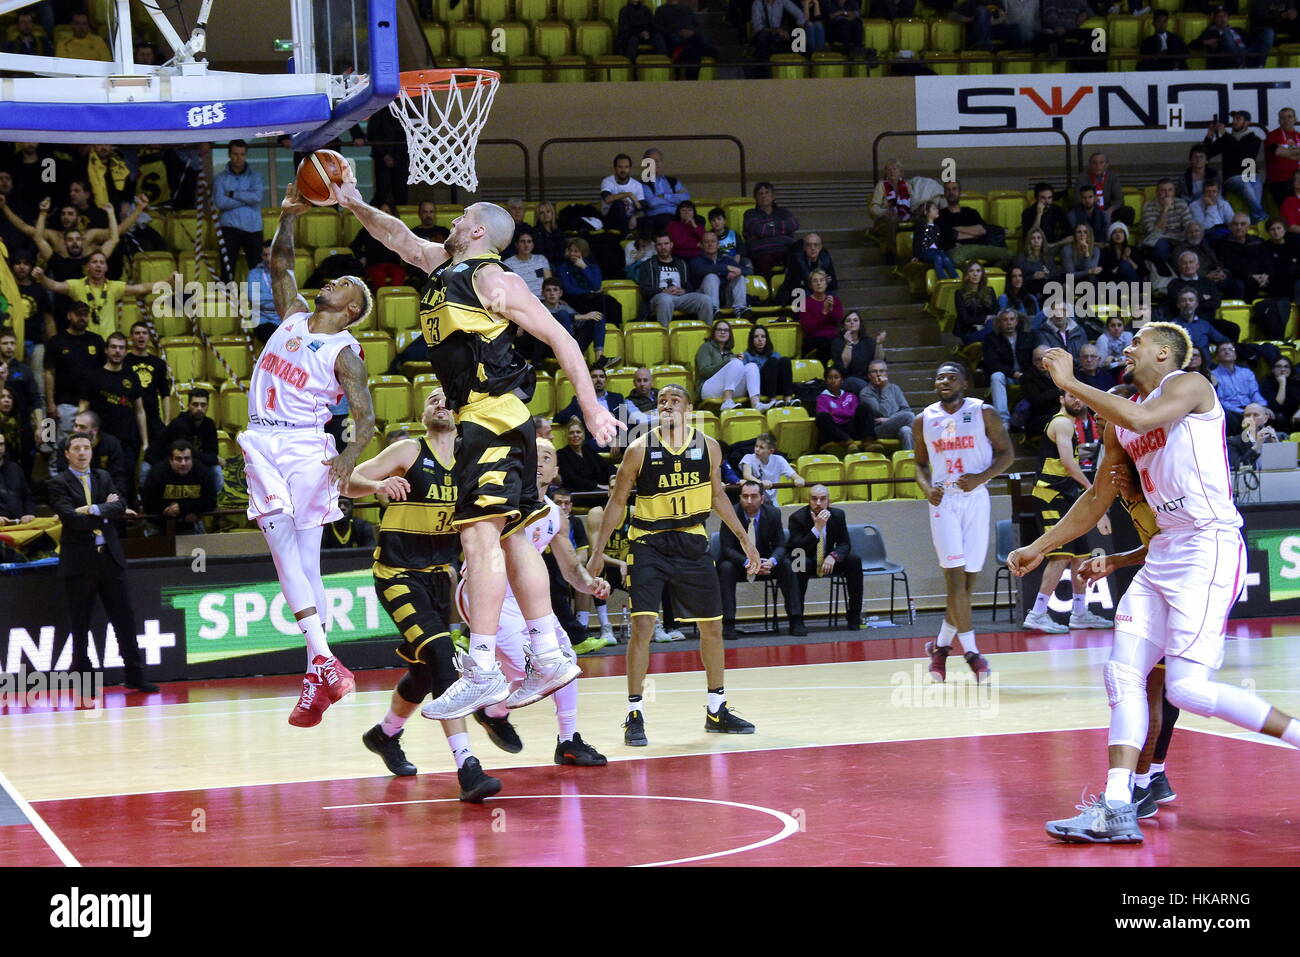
<point>613,401</point>
<point>1164,49</point>
<point>763,524</point>
<point>91,561</point>
<point>818,544</point>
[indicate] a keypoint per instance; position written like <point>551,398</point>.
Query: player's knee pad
<point>1124,683</point>
<point>416,683</point>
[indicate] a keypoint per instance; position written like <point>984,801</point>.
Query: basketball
<point>315,174</point>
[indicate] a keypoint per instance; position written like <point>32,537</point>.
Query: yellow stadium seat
<point>829,66</point>
<point>1005,207</point>
<point>492,12</point>
<point>543,401</point>
<point>878,35</point>
<point>707,423</point>
<point>232,407</point>
<point>904,471</point>
<point>741,425</point>
<point>322,253</point>
<point>378,351</point>
<point>227,447</point>
<point>910,35</point>
<point>551,39</point>
<point>319,227</point>
<point>303,267</point>
<point>421,386</point>
<point>653,68</point>
<point>976,201</point>
<point>620,380</point>
<point>685,336</point>
<point>805,370</point>
<point>757,289</point>
<point>673,374</point>
<point>946,36</point>
<point>1124,32</point>
<point>646,343</point>
<point>942,302</point>
<point>509,39</point>
<point>234,349</point>
<point>564,392</point>
<point>626,294</point>
<point>1237,313</point>
<point>977,63</point>
<point>1191,25</point>
<point>818,468</point>
<point>593,38</point>
<point>612,68</point>
<point>391,395</point>
<point>445,12</point>
<point>735,207</point>
<point>785,337</point>
<point>1016,62</point>
<point>608,10</point>
<point>532,11</point>
<point>527,69</point>
<point>185,356</point>
<point>181,228</point>
<point>568,69</point>
<point>794,431</point>
<point>468,40</point>
<point>398,309</point>
<point>868,468</point>
<point>788,66</point>
<point>572,11</point>
<point>153,267</point>
<point>997,279</point>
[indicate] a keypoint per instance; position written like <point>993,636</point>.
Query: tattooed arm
<point>351,372</point>
<point>284,285</point>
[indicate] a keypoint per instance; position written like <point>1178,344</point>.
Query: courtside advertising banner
<point>1170,103</point>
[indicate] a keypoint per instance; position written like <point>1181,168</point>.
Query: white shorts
<point>959,525</point>
<point>285,473</point>
<point>512,633</point>
<point>1181,598</point>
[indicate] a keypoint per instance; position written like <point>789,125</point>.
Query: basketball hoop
<point>443,112</point>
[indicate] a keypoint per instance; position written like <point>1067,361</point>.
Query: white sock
<point>1119,786</point>
<point>716,700</point>
<point>392,723</point>
<point>634,703</point>
<point>460,750</point>
<point>315,635</point>
<point>1157,768</point>
<point>946,634</point>
<point>967,639</point>
<point>602,612</point>
<point>541,635</point>
<point>1040,603</point>
<point>483,649</point>
<point>1142,780</point>
<point>566,710</point>
<point>583,617</point>
<point>1080,604</point>
<point>1291,734</point>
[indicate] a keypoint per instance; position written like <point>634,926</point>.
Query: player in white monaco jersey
<point>1178,604</point>
<point>511,650</point>
<point>960,445</point>
<point>293,469</point>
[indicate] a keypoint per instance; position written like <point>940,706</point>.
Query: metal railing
<point>676,138</point>
<point>976,131</point>
<point>1090,130</point>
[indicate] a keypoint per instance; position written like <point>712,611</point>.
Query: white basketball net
<point>442,128</point>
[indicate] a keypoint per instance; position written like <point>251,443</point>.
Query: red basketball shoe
<point>311,703</point>
<point>334,674</point>
<point>938,660</point>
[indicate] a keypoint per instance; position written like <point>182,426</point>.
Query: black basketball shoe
<point>634,730</point>
<point>579,752</point>
<point>390,749</point>
<point>501,731</point>
<point>475,785</point>
<point>726,722</point>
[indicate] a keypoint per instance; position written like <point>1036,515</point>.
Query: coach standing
<point>91,561</point>
<point>237,192</point>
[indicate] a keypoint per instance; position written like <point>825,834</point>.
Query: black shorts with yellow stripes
<point>680,561</point>
<point>419,602</point>
<point>1054,499</point>
<point>496,465</point>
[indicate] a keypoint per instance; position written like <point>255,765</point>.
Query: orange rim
<point>418,81</point>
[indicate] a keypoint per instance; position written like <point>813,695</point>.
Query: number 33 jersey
<point>294,383</point>
<point>956,442</point>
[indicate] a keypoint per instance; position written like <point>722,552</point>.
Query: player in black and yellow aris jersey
<point>414,576</point>
<point>1151,786</point>
<point>675,471</point>
<point>1061,480</point>
<point>470,312</point>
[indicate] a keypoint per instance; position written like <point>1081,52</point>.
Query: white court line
<point>1252,736</point>
<point>789,824</point>
<point>547,764</point>
<point>38,822</point>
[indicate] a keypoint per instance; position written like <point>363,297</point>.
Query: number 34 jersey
<point>294,383</point>
<point>956,442</point>
<point>416,533</point>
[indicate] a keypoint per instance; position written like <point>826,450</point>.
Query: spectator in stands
<point>237,191</point>
<point>1007,355</point>
<point>813,23</point>
<point>681,33</point>
<point>1037,261</point>
<point>720,277</point>
<point>18,237</point>
<point>644,397</point>
<point>582,469</point>
<point>621,197</point>
<point>88,215</point>
<point>1112,343</point>
<point>843,421</point>
<point>82,45</point>
<point>1061,331</point>
<point>1244,446</point>
<point>381,266</point>
<point>986,21</point>
<point>1116,260</point>
<point>548,235</point>
<point>428,214</point>
<point>195,427</point>
<point>767,467</point>
<point>1089,212</point>
<point>820,317</point>
<point>1197,174</point>
<point>636,28</point>
<point>106,451</point>
<point>1198,363</point>
<point>762,522</point>
<point>1281,392</point>
<point>26,42</point>
<point>802,261</point>
<point>1235,385</point>
<point>611,402</point>
<point>71,358</point>
<point>152,374</point>
<point>852,352</point>
<point>175,489</point>
<point>266,320</point>
<point>111,180</point>
<point>115,396</point>
<point>666,285</point>
<point>639,248</point>
<point>100,294</point>
<point>516,209</point>
<point>975,301</point>
<point>1163,49</point>
<point>891,206</point>
<point>16,503</point>
<point>1017,296</point>
<point>821,535</point>
<point>728,242</point>
<point>844,25</point>
<point>1109,190</point>
<point>1282,152</point>
<point>1164,223</point>
<point>1212,212</point>
<point>721,373</point>
<point>1243,259</point>
<point>389,157</point>
<point>1281,15</point>
<point>1081,258</point>
<point>1090,370</point>
<point>582,280</point>
<point>1044,215</point>
<point>887,407</point>
<point>768,18</point>
<point>1195,242</point>
<point>528,267</point>
<point>775,376</point>
<point>1282,253</point>
<point>1189,277</point>
<point>21,381</point>
<point>664,194</point>
<point>1228,49</point>
<point>768,230</point>
<point>926,242</point>
<point>587,328</point>
<point>687,230</point>
<point>1039,396</point>
<point>964,232</point>
<point>348,531</point>
<point>1201,332</point>
<point>1239,147</point>
<point>1290,207</point>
